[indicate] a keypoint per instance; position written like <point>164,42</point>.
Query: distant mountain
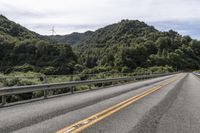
<point>71,39</point>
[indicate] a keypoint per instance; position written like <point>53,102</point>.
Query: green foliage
<point>24,68</point>
<point>23,50</point>
<point>48,70</point>
<point>71,39</point>
<point>14,79</point>
<point>197,71</point>
<point>130,44</point>
<point>163,42</point>
<point>120,47</point>
<point>161,69</point>
<point>125,69</point>
<point>97,70</point>
<point>16,30</point>
<point>154,70</point>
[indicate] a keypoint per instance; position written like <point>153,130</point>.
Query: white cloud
<point>40,15</point>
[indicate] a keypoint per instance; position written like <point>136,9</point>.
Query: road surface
<point>164,105</point>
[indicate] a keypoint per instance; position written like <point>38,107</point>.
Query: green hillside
<point>24,50</point>
<point>129,44</point>
<point>121,47</point>
<point>71,39</point>
<point>13,29</point>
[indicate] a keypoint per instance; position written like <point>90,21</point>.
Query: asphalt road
<point>184,115</point>
<point>145,115</point>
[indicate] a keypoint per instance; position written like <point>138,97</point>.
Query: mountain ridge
<point>25,50</point>
<point>123,47</point>
<point>16,30</point>
<point>76,37</point>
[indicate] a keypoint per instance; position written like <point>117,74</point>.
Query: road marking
<point>80,125</point>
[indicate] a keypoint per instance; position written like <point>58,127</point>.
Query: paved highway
<point>184,115</point>
<point>163,105</point>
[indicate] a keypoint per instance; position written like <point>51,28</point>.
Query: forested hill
<point>121,47</point>
<point>130,44</point>
<point>115,30</point>
<point>13,29</point>
<point>24,50</point>
<point>71,39</point>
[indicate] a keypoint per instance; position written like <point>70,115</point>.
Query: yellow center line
<point>80,125</point>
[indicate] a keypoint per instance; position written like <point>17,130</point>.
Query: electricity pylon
<point>53,31</point>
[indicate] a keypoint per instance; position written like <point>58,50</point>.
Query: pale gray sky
<point>81,15</point>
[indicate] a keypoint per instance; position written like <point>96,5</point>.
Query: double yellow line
<point>80,125</point>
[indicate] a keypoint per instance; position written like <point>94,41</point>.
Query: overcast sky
<point>81,15</point>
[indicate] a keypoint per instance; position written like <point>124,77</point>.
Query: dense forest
<point>130,44</point>
<point>121,47</point>
<point>24,50</point>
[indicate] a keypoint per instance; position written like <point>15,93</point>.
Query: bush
<point>125,69</point>
<point>161,69</point>
<point>24,68</point>
<point>20,78</point>
<point>140,70</point>
<point>155,69</point>
<point>49,70</point>
<point>97,70</point>
<point>78,68</point>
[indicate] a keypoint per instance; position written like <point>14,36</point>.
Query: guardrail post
<point>45,91</point>
<point>71,78</point>
<point>72,89</point>
<point>45,94</point>
<point>90,87</point>
<point>112,83</point>
<point>3,100</point>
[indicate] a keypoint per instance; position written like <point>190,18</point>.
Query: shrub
<point>24,68</point>
<point>49,70</point>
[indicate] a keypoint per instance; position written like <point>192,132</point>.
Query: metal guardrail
<point>197,74</point>
<point>6,91</point>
